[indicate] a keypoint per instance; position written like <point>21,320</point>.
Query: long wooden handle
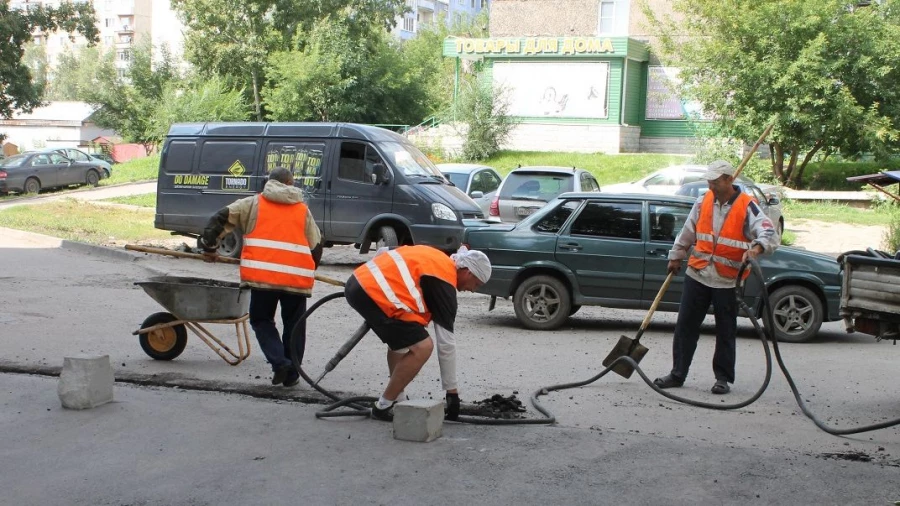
<point>752,151</point>
<point>659,296</point>
<point>227,260</point>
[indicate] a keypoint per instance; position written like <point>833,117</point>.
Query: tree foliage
<point>342,75</point>
<point>823,70</point>
<point>484,112</point>
<point>233,38</point>
<point>197,101</point>
<point>18,89</point>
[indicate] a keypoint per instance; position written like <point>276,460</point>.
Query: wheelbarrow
<point>191,303</point>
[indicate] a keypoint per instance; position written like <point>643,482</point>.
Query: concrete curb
<point>177,381</point>
<point>96,250</point>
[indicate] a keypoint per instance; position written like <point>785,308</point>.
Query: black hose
<point>764,333</point>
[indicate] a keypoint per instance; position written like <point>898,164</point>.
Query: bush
<point>891,240</point>
<point>483,111</point>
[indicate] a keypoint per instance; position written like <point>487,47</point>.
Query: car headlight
<point>442,212</point>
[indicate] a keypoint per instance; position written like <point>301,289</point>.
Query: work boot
<point>293,377</point>
<point>386,414</point>
<point>668,381</point>
<point>281,374</point>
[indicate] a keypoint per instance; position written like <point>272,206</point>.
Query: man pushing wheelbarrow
<point>281,251</point>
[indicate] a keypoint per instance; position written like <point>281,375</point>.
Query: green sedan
<point>605,249</point>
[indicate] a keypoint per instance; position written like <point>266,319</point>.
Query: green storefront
<point>590,94</point>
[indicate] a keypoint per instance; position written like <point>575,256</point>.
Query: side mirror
<point>477,194</point>
<point>774,201</point>
<point>382,175</point>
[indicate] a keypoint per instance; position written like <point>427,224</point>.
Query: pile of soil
<point>496,406</point>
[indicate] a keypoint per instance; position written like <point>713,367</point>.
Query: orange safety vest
<point>727,250</point>
<point>276,252</point>
<point>391,279</point>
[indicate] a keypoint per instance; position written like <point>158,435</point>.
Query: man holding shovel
<point>282,248</point>
<point>725,227</point>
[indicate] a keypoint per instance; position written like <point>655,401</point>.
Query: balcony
<point>125,29</point>
<point>426,5</point>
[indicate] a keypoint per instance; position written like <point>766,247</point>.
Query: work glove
<point>451,411</point>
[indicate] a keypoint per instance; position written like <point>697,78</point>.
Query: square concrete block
<point>86,381</point>
<point>419,420</point>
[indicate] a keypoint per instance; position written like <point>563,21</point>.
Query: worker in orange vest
<point>281,249</point>
<point>725,227</point>
<point>399,292</point>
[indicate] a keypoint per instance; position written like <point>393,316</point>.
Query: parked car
<point>478,181</point>
<point>104,157</point>
<point>527,189</point>
<point>667,181</point>
<point>611,250</point>
<point>769,205</point>
<point>34,171</point>
<point>77,155</point>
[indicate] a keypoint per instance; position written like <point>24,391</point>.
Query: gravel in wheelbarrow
<point>198,298</point>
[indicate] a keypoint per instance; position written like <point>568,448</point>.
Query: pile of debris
<point>496,406</point>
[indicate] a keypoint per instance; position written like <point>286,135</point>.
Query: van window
<point>179,157</point>
<point>357,162</point>
<point>303,159</point>
<point>228,157</point>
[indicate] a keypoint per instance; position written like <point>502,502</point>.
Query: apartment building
<point>580,76</point>
<point>121,24</point>
<point>423,12</point>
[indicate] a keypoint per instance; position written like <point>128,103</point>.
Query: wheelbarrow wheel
<point>165,343</point>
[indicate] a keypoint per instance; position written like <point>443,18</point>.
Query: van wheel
<point>387,237</point>
<point>230,245</point>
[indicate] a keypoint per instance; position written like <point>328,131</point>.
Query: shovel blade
<point>626,347</point>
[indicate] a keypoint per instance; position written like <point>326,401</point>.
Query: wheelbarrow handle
<point>218,258</point>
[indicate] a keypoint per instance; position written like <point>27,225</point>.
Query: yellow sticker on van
<point>237,169</point>
<point>190,181</point>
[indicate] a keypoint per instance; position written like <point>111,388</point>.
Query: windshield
<point>409,160</point>
<point>13,161</point>
<point>536,186</point>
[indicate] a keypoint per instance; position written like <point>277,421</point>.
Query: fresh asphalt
<point>197,431</point>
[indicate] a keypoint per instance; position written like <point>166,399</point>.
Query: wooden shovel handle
<point>752,151</point>
<point>659,296</point>
<point>227,260</point>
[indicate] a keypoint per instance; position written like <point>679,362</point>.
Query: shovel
<point>627,347</point>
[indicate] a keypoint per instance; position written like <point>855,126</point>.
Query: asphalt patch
<point>496,406</point>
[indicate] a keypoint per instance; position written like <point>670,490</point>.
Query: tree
<point>204,100</point>
<point>484,111</point>
<point>344,75</point>
<point>233,38</point>
<point>77,72</point>
<point>823,70</point>
<point>128,105</point>
<point>18,90</point>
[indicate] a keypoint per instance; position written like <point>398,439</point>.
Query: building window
<point>124,55</point>
<point>110,22</point>
<point>121,73</point>
<point>409,23</point>
<point>108,40</point>
<point>607,17</point>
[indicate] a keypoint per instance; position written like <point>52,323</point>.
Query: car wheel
<point>165,343</point>
<point>542,303</point>
<point>798,314</point>
<point>32,185</point>
<point>93,179</point>
<point>230,245</point>
<point>387,237</point>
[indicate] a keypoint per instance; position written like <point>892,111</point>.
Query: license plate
<point>526,211</point>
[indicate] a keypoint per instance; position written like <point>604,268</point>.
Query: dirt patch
<point>496,406</point>
<point>835,238</point>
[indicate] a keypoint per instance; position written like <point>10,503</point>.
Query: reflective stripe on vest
<point>392,280</point>
<point>276,252</point>
<point>726,251</point>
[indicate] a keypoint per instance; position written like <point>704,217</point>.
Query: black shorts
<point>397,334</point>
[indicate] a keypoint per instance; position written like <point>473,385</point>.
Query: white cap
<point>717,169</point>
<point>476,261</point>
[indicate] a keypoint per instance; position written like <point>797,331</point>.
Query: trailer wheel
<point>230,245</point>
<point>165,343</point>
<point>798,314</point>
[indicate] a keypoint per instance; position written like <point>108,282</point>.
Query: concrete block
<point>419,420</point>
<point>86,381</point>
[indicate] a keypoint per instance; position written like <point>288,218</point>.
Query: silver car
<point>771,205</point>
<point>478,181</point>
<point>527,189</point>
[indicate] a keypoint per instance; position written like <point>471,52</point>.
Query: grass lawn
<point>139,169</point>
<point>145,200</point>
<point>838,213</point>
<point>608,169</point>
<point>84,222</point>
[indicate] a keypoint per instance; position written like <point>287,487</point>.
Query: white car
<point>477,181</point>
<point>667,181</point>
